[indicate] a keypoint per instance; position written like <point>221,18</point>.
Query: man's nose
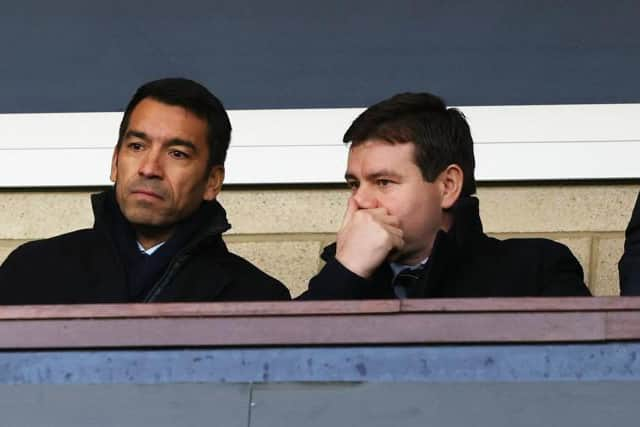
<point>151,165</point>
<point>365,198</point>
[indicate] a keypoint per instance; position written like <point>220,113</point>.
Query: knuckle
<point>360,214</point>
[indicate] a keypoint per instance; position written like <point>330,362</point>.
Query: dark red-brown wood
<point>496,320</point>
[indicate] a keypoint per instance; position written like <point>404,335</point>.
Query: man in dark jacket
<point>157,233</point>
<point>412,227</point>
<point>629,265</point>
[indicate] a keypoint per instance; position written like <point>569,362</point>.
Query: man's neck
<point>149,237</point>
<point>415,258</point>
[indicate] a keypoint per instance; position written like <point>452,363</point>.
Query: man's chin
<point>154,229</point>
<point>146,219</point>
<point>406,257</point>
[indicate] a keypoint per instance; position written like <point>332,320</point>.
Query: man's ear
<point>114,165</point>
<point>214,183</point>
<point>451,180</point>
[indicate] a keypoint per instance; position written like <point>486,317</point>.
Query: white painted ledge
<point>536,142</point>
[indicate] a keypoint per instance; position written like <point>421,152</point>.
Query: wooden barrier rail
<point>528,361</point>
<point>490,320</point>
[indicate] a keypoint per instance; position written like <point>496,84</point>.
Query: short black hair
<point>193,97</point>
<point>441,135</point>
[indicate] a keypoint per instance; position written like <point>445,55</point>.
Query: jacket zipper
<point>174,266</point>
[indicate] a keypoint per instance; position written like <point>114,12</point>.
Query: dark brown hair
<point>441,135</point>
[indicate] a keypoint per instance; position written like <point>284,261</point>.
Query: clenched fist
<point>366,238</point>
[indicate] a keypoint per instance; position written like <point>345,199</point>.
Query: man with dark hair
<point>412,227</point>
<point>157,233</point>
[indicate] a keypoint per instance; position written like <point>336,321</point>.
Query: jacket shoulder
<point>53,270</point>
<point>558,270</point>
<point>44,249</point>
<point>537,245</point>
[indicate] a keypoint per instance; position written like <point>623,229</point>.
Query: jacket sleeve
<point>563,276</point>
<point>335,281</point>
<point>629,265</point>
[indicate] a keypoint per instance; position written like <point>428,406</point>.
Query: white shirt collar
<point>396,268</point>
<point>151,250</point>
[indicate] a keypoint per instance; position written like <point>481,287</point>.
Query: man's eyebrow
<point>171,143</point>
<point>373,175</point>
<point>181,143</point>
<point>383,173</point>
<point>136,134</point>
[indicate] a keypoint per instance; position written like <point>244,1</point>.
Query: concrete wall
<point>282,230</point>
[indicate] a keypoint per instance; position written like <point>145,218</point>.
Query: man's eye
<point>383,182</point>
<point>176,154</point>
<point>353,185</point>
<point>135,146</point>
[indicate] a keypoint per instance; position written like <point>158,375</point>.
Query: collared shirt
<point>396,268</point>
<point>399,290</point>
<point>151,250</point>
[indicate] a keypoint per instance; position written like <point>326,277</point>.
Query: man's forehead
<point>155,118</point>
<point>380,154</point>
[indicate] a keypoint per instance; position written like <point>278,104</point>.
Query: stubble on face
<point>161,167</point>
<point>390,178</point>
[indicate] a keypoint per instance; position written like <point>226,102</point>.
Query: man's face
<point>160,169</point>
<point>385,175</point>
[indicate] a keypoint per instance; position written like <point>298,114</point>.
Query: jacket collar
<point>452,247</point>
<point>467,226</point>
<point>210,220</point>
<point>203,228</point>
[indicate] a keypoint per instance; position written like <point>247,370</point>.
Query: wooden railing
<point>491,320</point>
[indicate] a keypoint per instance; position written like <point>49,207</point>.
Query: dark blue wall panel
<point>72,55</point>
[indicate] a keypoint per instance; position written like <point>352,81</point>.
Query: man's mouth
<point>147,193</point>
